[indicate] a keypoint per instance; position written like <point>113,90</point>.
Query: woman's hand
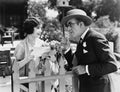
<point>31,57</point>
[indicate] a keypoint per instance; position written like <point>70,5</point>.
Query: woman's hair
<point>29,24</point>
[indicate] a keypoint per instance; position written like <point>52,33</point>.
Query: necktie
<point>74,61</point>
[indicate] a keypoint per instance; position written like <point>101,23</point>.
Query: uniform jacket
<point>95,52</point>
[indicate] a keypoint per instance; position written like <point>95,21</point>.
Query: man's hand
<point>79,70</point>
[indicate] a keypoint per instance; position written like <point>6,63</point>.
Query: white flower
<point>54,42</point>
<point>84,44</point>
<point>85,51</point>
<point>40,43</point>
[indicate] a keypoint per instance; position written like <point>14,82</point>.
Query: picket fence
<point>44,80</point>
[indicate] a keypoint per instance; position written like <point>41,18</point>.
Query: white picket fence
<point>33,80</point>
<point>43,80</point>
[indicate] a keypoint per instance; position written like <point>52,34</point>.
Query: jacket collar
<point>84,34</point>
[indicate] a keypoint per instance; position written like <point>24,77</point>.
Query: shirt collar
<point>83,35</point>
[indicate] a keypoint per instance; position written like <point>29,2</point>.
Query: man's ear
<point>80,24</point>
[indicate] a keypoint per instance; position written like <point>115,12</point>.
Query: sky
<point>51,13</point>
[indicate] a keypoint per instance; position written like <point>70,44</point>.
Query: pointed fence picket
<point>44,80</point>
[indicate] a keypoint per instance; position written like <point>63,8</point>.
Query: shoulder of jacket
<point>94,34</point>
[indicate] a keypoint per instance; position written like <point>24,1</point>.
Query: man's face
<point>74,28</point>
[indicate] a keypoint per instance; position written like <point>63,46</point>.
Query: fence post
<point>62,80</point>
<point>47,86</point>
<point>32,74</point>
<point>75,81</point>
<point>16,84</point>
<point>75,84</point>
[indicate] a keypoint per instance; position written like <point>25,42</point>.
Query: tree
<point>76,3</point>
<point>36,9</point>
<point>115,14</point>
<point>88,6</point>
<point>52,3</point>
<point>109,7</point>
<point>101,7</point>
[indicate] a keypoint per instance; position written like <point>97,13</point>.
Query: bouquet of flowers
<point>50,52</point>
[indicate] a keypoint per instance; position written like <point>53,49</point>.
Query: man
<point>93,59</point>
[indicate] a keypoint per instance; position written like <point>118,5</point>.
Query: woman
<point>32,29</point>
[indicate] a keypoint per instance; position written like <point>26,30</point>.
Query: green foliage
<point>76,3</point>
<point>103,22</point>
<point>52,30</point>
<point>109,7</point>
<point>101,7</point>
<point>36,9</point>
<point>52,3</point>
<point>88,7</point>
<point>115,14</point>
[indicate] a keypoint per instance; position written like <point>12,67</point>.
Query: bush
<point>103,22</point>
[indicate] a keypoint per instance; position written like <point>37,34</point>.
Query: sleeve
<point>69,57</point>
<point>106,59</point>
<point>86,68</point>
<point>19,52</point>
<point>117,43</point>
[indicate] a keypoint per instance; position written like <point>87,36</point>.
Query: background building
<point>13,13</point>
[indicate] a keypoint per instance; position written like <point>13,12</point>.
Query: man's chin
<point>73,40</point>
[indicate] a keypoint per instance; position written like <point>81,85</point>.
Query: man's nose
<point>69,28</point>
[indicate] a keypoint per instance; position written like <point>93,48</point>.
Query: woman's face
<point>37,31</point>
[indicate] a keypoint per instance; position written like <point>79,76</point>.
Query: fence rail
<point>43,80</point>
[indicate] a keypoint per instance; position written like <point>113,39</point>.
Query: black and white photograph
<point>59,45</point>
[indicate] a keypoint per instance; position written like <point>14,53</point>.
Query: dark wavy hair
<point>29,24</point>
